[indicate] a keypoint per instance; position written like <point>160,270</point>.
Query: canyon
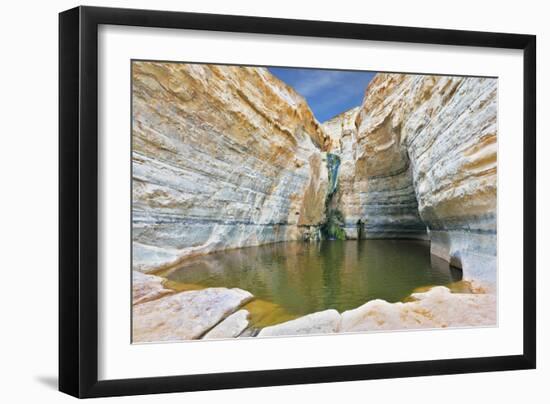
<point>222,157</point>
<point>226,157</point>
<point>419,161</point>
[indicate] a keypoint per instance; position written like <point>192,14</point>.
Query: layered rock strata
<point>227,157</point>
<point>418,160</point>
<point>381,201</point>
<point>441,133</point>
<point>342,133</point>
<point>223,157</point>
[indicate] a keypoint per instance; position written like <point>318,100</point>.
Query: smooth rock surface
<point>223,157</point>
<point>147,287</point>
<point>227,157</point>
<point>231,327</point>
<point>381,204</point>
<point>322,322</point>
<point>185,315</point>
<point>342,133</point>
<point>437,308</point>
<point>445,130</point>
<point>423,165</point>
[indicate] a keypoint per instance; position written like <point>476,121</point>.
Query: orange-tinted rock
<point>442,132</point>
<point>223,157</point>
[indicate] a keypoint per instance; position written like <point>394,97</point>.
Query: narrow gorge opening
<point>332,228</point>
<point>238,187</point>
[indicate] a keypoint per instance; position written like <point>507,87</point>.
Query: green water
<point>301,278</point>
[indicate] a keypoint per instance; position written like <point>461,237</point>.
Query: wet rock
<point>322,322</point>
<point>147,287</point>
<point>436,308</point>
<point>185,315</point>
<point>231,327</point>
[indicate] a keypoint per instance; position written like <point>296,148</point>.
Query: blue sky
<point>328,92</point>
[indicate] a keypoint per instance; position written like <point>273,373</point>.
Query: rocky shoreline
<point>164,314</point>
<point>225,157</point>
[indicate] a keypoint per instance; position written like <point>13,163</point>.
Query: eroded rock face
<point>342,133</point>
<point>423,165</point>
<point>185,315</point>
<point>223,157</point>
<point>227,157</point>
<point>381,204</point>
<point>322,322</point>
<point>437,308</point>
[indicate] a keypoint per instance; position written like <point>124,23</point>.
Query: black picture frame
<point>78,200</point>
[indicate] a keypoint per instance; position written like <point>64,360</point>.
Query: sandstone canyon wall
<point>419,160</point>
<point>226,157</point>
<point>223,157</point>
<point>342,135</point>
<point>375,194</point>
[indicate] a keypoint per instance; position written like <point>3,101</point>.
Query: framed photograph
<point>251,201</point>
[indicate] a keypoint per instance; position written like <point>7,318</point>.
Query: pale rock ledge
<point>185,315</point>
<point>231,327</point>
<point>147,287</point>
<point>436,308</point>
<point>322,322</point>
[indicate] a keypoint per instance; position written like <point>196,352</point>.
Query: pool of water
<point>292,279</point>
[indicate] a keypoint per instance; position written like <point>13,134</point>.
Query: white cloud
<point>329,92</point>
<point>316,81</point>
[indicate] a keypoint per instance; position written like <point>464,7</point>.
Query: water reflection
<point>303,277</point>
